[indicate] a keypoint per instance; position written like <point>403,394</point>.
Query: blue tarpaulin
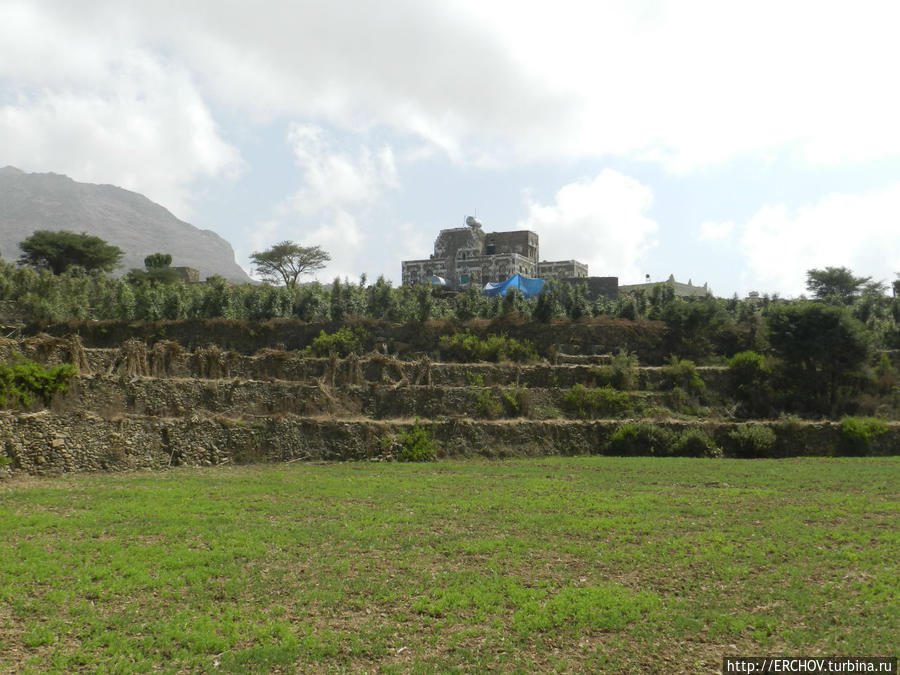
<point>526,285</point>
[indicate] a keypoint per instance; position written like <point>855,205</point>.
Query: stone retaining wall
<point>42,443</point>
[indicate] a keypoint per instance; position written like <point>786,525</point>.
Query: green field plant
<point>542,565</point>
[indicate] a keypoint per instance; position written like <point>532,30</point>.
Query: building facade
<point>682,290</point>
<point>465,256</point>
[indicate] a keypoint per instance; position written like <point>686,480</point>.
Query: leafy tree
<point>58,251</point>
<point>379,299</point>
<point>286,261</point>
<point>823,348</point>
<point>157,261</point>
<point>157,270</point>
<point>835,284</point>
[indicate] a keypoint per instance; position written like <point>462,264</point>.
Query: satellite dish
<point>471,221</point>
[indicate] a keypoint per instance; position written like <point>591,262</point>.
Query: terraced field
<point>150,407</point>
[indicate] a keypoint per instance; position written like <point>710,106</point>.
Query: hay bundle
<point>44,348</point>
<point>353,370</point>
<point>212,362</point>
<point>423,371</point>
<point>76,354</point>
<point>163,356</point>
<point>132,359</point>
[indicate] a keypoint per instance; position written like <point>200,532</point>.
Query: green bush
<point>24,382</point>
<point>583,403</point>
<point>682,373</point>
<point>512,403</point>
<point>749,383</point>
<point>641,438</point>
<point>487,406</point>
<point>343,342</point>
<point>517,403</point>
<point>416,445</point>
<point>621,373</point>
<point>695,443</point>
<point>858,434</point>
<point>467,347</point>
<point>752,440</point>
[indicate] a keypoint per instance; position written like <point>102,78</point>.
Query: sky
<point>737,144</point>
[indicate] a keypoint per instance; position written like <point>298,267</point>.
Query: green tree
<point>286,261</point>
<point>835,284</point>
<point>157,270</point>
<point>823,348</point>
<point>58,251</point>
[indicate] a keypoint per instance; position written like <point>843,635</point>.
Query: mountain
<point>138,226</point>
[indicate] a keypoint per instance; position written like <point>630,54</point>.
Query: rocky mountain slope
<point>48,201</point>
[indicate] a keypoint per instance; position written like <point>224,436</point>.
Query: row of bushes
<point>855,437</point>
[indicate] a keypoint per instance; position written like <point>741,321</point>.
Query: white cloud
<point>684,83</point>
<point>712,231</point>
<point>342,184</point>
<point>99,112</point>
<point>333,178</point>
<point>601,221</point>
<point>858,231</point>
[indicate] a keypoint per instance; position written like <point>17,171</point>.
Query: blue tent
<point>527,286</point>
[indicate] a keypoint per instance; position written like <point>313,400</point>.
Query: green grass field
<point>570,564</point>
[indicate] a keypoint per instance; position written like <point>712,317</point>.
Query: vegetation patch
<point>589,564</point>
<point>24,382</point>
<point>467,347</point>
<point>584,403</point>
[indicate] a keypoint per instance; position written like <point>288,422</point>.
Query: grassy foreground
<point>570,564</point>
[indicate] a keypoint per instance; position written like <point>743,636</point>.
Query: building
<point>682,290</point>
<point>468,255</point>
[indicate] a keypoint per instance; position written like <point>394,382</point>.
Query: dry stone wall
<point>158,405</point>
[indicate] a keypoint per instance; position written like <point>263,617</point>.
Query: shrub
<point>24,382</point>
<point>695,443</point>
<point>858,434</point>
<point>467,347</point>
<point>486,406</point>
<point>682,373</point>
<point>752,440</point>
<point>621,373</point>
<point>343,342</point>
<point>640,439</point>
<point>517,403</point>
<point>585,403</point>
<point>416,445</point>
<point>749,382</point>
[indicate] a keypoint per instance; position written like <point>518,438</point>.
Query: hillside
<point>33,201</point>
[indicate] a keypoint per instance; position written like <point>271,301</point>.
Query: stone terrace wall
<point>42,443</point>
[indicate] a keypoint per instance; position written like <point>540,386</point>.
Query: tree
<point>156,270</point>
<point>286,261</point>
<point>835,284</point>
<point>822,347</point>
<point>156,261</point>
<point>58,251</point>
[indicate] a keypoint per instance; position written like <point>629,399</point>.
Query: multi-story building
<point>469,255</point>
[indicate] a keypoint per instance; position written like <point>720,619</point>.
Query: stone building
<point>682,290</point>
<point>469,255</point>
